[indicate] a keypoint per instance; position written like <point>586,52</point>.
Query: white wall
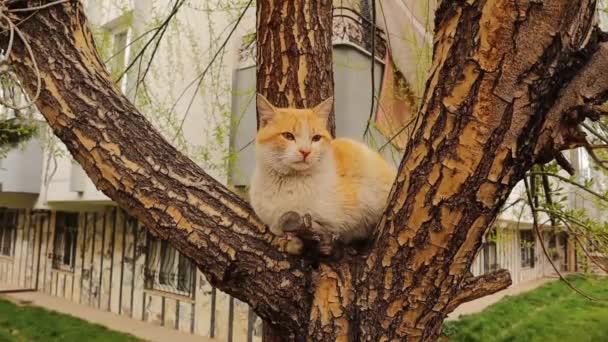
<point>20,169</point>
<point>185,50</point>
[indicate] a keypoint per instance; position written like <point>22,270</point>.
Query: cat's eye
<point>288,136</point>
<point>316,138</point>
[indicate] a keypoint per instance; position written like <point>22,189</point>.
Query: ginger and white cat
<point>341,183</point>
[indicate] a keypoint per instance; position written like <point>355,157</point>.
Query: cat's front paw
<point>290,221</point>
<point>294,246</point>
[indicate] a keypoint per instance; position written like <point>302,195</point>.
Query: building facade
<point>105,259</point>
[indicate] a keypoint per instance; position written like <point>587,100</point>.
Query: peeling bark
<point>506,77</point>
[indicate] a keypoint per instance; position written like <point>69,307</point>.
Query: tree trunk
<point>294,53</point>
<point>510,82</point>
<point>294,64</point>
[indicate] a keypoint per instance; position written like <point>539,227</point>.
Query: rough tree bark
<point>510,82</point>
<point>294,53</point>
<point>294,63</point>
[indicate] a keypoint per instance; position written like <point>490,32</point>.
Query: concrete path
<point>155,333</point>
<point>145,331</point>
<point>482,303</point>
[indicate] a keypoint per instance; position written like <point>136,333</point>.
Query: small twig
<point>547,190</point>
<point>140,54</point>
<point>533,190</point>
<point>373,80</point>
<point>596,194</point>
<point>600,235</point>
<point>201,77</point>
<point>596,159</point>
<point>133,41</point>
<point>580,243</point>
<point>576,233</point>
<point>15,29</point>
<point>401,130</point>
<point>542,243</point>
<point>507,207</point>
<point>564,163</point>
<point>598,146</point>
<point>11,37</point>
<point>595,132</point>
<point>36,8</point>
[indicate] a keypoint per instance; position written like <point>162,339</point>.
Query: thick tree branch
<point>481,286</point>
<point>135,166</point>
<point>580,99</point>
<point>498,69</point>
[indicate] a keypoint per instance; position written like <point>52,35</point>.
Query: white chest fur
<point>274,194</point>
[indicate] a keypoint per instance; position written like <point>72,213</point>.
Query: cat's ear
<point>266,111</point>
<point>324,108</point>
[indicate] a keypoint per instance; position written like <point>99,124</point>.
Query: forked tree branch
<point>500,70</point>
<point>135,166</point>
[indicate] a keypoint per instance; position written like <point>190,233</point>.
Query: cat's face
<point>292,139</point>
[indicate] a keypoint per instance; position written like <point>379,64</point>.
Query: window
<point>64,247</point>
<point>553,251</point>
<point>167,269</point>
<point>490,262</point>
<point>8,227</point>
<point>583,162</point>
<point>527,244</point>
<point>490,258</point>
<point>120,57</point>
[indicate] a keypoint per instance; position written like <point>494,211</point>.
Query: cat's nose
<point>304,152</point>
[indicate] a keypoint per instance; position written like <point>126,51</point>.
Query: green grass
<point>552,312</point>
<point>29,323</point>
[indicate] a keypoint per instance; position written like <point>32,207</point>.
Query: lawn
<point>552,312</point>
<point>29,323</point>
